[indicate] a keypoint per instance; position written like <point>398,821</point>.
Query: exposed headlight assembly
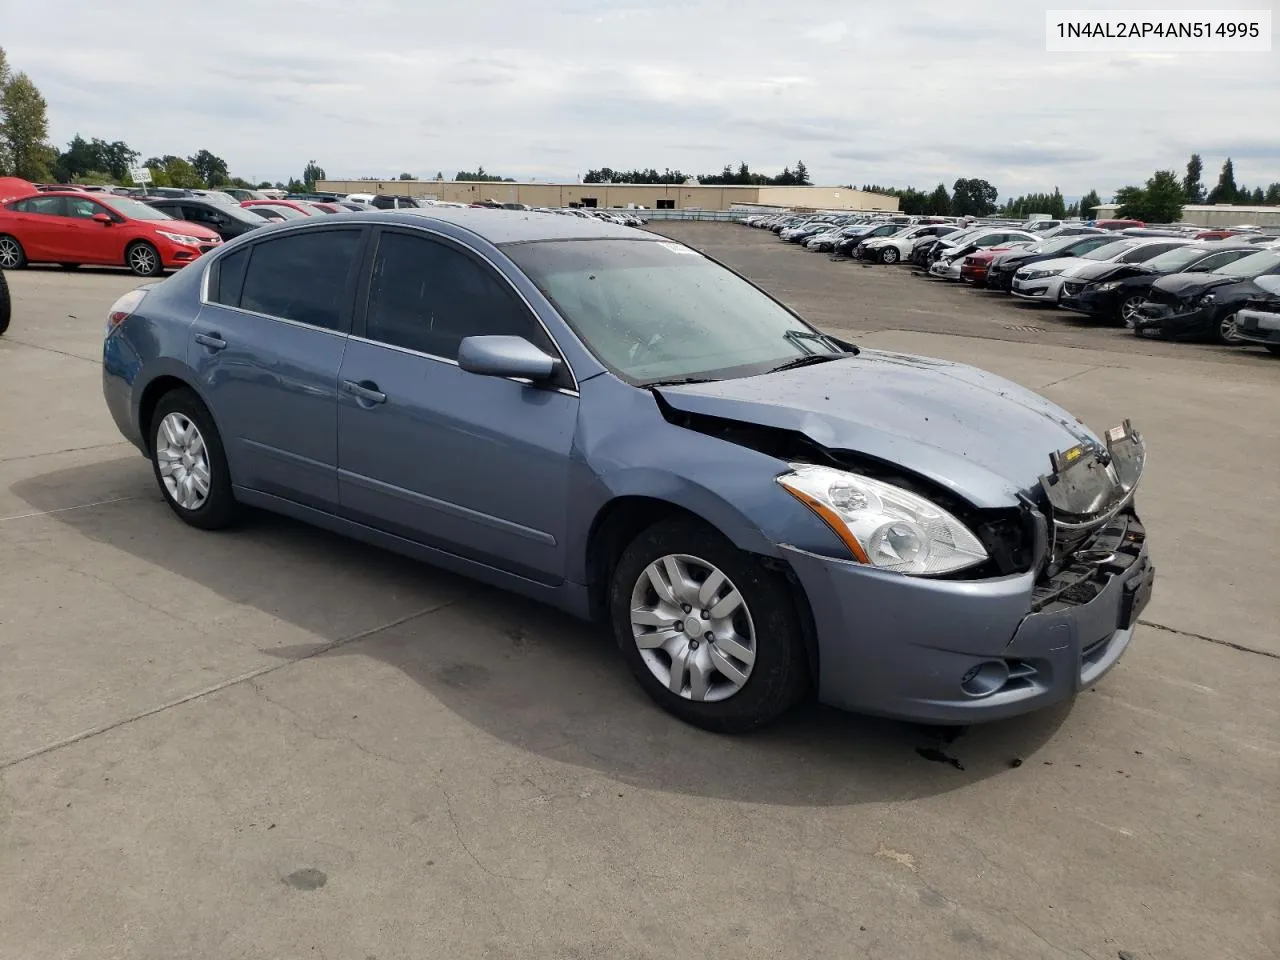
<point>1107,287</point>
<point>1206,299</point>
<point>882,525</point>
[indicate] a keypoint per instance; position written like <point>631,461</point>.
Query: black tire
<point>1220,333</point>
<point>890,255</point>
<point>1122,314</point>
<point>219,508</point>
<point>136,259</point>
<point>6,306</point>
<point>779,675</point>
<point>12,256</point>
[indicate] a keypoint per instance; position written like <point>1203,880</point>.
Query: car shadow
<point>522,672</point>
<point>96,270</point>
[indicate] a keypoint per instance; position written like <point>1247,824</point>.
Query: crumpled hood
<point>983,437</point>
<point>1092,272</point>
<point>1183,285</point>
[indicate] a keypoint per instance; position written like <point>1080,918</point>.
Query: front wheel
<point>711,635</point>
<point>1127,312</point>
<point>189,462</point>
<point>889,255</point>
<point>1226,332</point>
<point>143,259</point>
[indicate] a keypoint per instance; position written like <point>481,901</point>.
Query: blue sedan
<point>615,424</point>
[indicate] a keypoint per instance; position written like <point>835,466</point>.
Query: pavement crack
<point>1243,648</point>
<point>457,832</point>
<point>318,650</point>
<point>35,346</point>
<point>1040,936</point>
<point>54,453</point>
<point>1070,376</point>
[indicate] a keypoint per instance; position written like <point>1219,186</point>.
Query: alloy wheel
<point>10,254</point>
<point>1129,310</point>
<point>1227,329</point>
<point>183,461</point>
<point>693,628</point>
<point>143,260</point>
<point>890,255</point>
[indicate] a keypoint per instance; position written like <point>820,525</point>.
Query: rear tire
<point>12,256</point>
<point>143,259</point>
<point>735,671</point>
<point>191,468</point>
<point>6,307</point>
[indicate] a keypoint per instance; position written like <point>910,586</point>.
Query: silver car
<point>612,423</point>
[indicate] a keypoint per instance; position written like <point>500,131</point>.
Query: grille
<point>1068,581</point>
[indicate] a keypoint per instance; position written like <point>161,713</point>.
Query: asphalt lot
<point>272,742</point>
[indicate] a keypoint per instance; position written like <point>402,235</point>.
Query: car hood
<point>1189,284</point>
<point>186,228</point>
<point>981,436</point>
<point>1054,263</point>
<point>1092,272</point>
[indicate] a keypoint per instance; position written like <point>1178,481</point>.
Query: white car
<point>947,266</point>
<point>1043,281</point>
<point>898,247</point>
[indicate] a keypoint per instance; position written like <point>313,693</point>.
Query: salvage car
<point>1200,306</point>
<point>1043,281</point>
<point>635,433</point>
<point>1115,291</point>
<point>897,246</point>
<point>1003,267</point>
<point>948,258</point>
<point>1257,323</point>
<point>74,227</point>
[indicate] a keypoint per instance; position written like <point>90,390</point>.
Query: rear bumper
<point>902,647</point>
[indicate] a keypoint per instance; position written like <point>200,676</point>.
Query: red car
<point>72,228</point>
<point>974,268</point>
<point>1117,224</point>
<point>1216,234</point>
<point>308,208</point>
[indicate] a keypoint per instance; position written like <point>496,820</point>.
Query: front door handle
<point>211,340</point>
<point>365,390</point>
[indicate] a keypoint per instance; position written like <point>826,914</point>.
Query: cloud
<point>865,93</point>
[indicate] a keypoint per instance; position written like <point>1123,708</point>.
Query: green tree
<point>1160,201</point>
<point>1225,191</point>
<point>1258,197</point>
<point>5,161</point>
<point>406,176</point>
<point>479,175</point>
<point>25,127</point>
<point>94,177</point>
<point>973,198</point>
<point>211,168</point>
<point>940,201</point>
<point>1272,196</point>
<point>1192,188</point>
<point>1087,204</point>
<point>440,175</point>
<point>171,171</point>
<point>310,174</point>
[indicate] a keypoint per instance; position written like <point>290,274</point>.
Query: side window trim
<point>359,329</point>
<point>347,310</point>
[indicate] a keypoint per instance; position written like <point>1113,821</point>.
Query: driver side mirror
<point>503,356</point>
<point>103,219</point>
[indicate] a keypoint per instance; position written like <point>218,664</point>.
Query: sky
<point>898,93</point>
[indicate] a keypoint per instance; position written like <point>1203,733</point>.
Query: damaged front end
<point>1092,527</point>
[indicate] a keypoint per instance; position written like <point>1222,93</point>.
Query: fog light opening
<point>984,679</point>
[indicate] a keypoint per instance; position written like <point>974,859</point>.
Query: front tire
<point>143,259</point>
<point>889,255</point>
<point>12,256</point>
<point>1127,311</point>
<point>189,462</point>
<point>6,306</point>
<point>710,634</point>
<point>1225,331</point>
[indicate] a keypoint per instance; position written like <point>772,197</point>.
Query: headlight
<point>883,525</point>
<point>1205,300</point>
<point>1105,287</point>
<point>180,238</point>
<point>1040,274</point>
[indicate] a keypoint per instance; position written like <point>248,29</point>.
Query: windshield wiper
<point>808,359</point>
<point>678,382</point>
<point>801,338</point>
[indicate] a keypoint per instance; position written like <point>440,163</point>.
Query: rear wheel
<point>712,636</point>
<point>189,462</point>
<point>143,259</point>
<point>12,256</point>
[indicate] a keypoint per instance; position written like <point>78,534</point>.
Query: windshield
<point>1109,250</point>
<point>1172,261</point>
<point>1254,265</point>
<point>287,212</point>
<point>135,209</point>
<point>655,310</point>
<point>1052,246</point>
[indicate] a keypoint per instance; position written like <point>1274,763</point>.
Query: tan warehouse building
<point>650,196</point>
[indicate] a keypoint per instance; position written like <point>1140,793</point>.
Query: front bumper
<point>1088,301</point>
<point>900,646</point>
<point>1259,326</point>
<point>1042,288</point>
<point>944,270</point>
<point>1174,323</point>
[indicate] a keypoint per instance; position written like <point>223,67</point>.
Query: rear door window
<point>304,277</point>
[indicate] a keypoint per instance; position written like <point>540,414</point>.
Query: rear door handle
<point>211,340</point>
<point>366,390</point>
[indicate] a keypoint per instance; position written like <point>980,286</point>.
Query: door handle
<point>366,390</point>
<point>211,340</point>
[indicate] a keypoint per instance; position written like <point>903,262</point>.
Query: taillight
<point>122,308</point>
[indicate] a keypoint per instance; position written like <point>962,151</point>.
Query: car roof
<point>515,226</point>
